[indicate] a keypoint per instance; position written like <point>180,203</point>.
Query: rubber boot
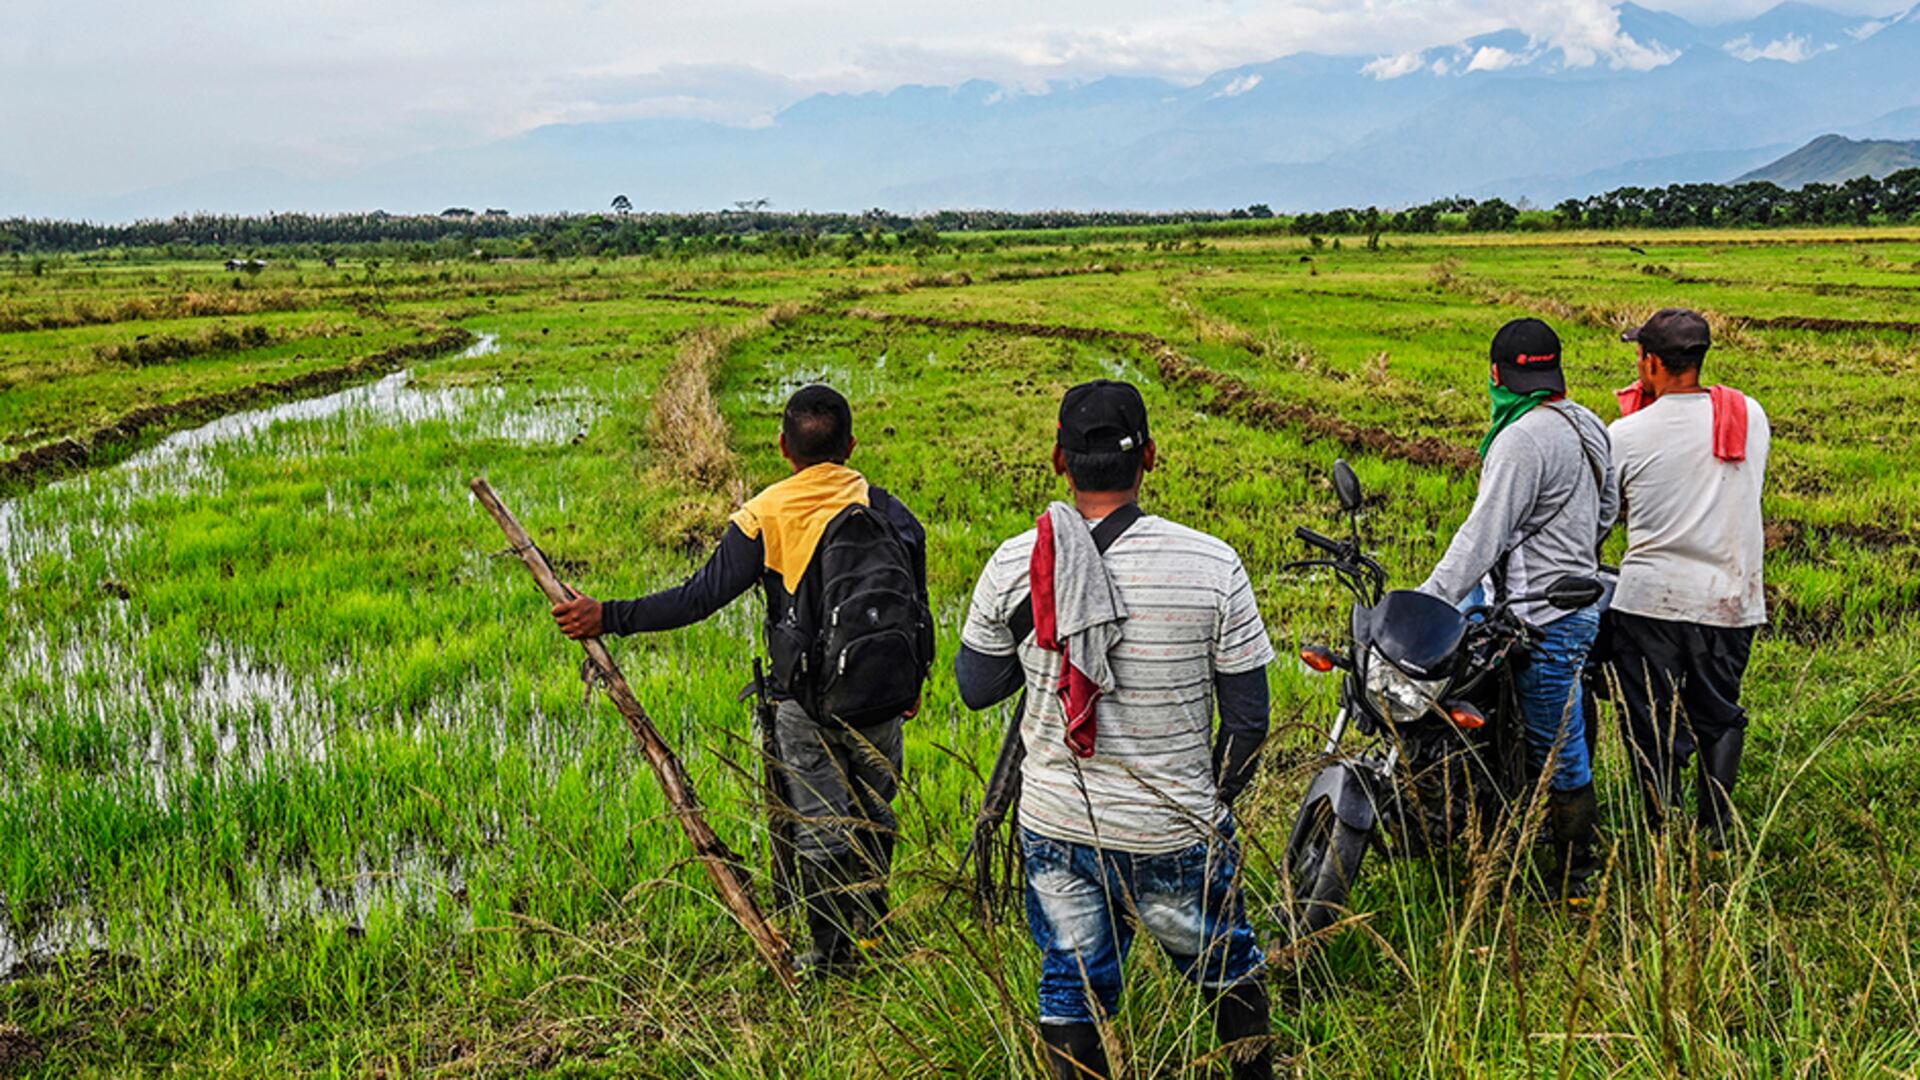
<point>1659,784</point>
<point>874,867</point>
<point>1240,1019</point>
<point>1574,817</point>
<point>829,905</point>
<point>1074,1051</point>
<point>1719,766</point>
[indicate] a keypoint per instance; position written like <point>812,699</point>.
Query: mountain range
<point>1833,159</point>
<point>1499,114</point>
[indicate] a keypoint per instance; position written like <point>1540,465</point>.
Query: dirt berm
<point>42,463</point>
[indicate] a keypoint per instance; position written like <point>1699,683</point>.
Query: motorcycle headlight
<point>1400,697</point>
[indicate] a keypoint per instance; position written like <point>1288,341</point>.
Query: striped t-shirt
<point>1190,615</point>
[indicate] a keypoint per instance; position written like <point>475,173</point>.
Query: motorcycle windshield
<point>1417,633</point>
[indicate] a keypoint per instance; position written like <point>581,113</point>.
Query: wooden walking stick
<point>723,866</point>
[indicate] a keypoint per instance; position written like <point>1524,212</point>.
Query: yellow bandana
<point>789,517</point>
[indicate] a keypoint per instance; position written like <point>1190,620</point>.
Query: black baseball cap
<point>1526,357</point>
<point>1102,417</point>
<point>1672,332</point>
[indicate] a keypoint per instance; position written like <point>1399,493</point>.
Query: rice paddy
<point>296,774</point>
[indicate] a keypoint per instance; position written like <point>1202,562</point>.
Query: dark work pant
<point>842,782</point>
<point>1679,685</point>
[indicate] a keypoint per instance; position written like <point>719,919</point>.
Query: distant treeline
<point>571,234</point>
<point>1865,201</point>
<point>459,232</point>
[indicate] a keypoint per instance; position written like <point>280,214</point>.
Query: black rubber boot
<point>1660,788</point>
<point>1653,774</point>
<point>873,867</point>
<point>1719,767</point>
<point>1574,817</point>
<point>1074,1051</point>
<point>1240,1019</point>
<point>829,904</point>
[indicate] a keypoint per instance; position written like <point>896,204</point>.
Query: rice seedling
<point>296,774</point>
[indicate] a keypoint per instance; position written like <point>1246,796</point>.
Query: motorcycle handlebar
<point>1324,543</point>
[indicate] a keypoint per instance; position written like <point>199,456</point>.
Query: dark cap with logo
<point>1526,358</point>
<point>1672,332</point>
<point>1102,417</point>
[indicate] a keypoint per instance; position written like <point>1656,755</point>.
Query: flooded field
<point>296,775</point>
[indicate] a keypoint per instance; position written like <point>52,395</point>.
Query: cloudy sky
<point>110,96</point>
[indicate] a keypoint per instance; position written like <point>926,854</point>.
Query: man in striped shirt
<point>1125,805</point>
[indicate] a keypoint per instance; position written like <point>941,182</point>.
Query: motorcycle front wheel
<point>1323,859</point>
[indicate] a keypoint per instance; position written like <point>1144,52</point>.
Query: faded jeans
<point>1083,904</point>
<point>1552,700</point>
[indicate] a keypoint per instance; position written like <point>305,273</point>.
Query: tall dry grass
<point>686,424</point>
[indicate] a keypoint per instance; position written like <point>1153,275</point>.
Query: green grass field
<point>295,774</point>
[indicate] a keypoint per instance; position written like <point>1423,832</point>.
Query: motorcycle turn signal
<point>1322,659</point>
<point>1466,717</point>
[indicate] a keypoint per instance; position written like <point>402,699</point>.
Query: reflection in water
<point>157,734</point>
<point>189,461</point>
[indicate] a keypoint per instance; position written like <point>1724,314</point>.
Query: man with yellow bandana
<point>841,780</point>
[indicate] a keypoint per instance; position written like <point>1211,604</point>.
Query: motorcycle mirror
<point>1346,485</point>
<point>1574,593</point>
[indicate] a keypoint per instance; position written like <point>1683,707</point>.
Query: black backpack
<point>855,644</point>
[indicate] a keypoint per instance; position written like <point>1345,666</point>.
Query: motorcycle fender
<point>1351,795</point>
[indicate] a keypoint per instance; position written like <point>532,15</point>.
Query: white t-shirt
<point>1695,540</point>
<point>1190,614</point>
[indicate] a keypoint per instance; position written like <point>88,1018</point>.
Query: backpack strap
<point>1104,534</point>
<point>1499,572</point>
<point>1593,467</point>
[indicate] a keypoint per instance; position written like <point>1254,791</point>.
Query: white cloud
<point>1237,87</point>
<point>1585,32</point>
<point>1393,67</point>
<point>1492,58</point>
<point>109,96</point>
<point>1791,49</point>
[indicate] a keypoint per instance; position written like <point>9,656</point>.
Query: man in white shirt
<point>1692,460</point>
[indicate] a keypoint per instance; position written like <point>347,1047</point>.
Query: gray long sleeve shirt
<point>1537,499</point>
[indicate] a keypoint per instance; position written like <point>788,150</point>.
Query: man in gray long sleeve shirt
<point>1547,498</point>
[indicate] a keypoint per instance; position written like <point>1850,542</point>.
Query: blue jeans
<point>1547,682</point>
<point>1083,905</point>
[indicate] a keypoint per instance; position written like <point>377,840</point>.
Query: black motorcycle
<point>1430,685</point>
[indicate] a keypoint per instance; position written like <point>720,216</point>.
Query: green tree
<point>1494,215</point>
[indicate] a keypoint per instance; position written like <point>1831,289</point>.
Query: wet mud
<point>1829,326</point>
<point>711,301</point>
<point>1234,399</point>
<point>1788,533</point>
<point>17,1049</point>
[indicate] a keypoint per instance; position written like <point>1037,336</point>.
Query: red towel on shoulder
<point>1079,694</point>
<point>1729,417</point>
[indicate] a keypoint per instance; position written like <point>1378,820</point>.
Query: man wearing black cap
<point>1545,502</point>
<point>840,773</point>
<point>1126,630</point>
<point>1692,461</point>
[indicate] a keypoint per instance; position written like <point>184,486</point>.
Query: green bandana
<point>1508,406</point>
